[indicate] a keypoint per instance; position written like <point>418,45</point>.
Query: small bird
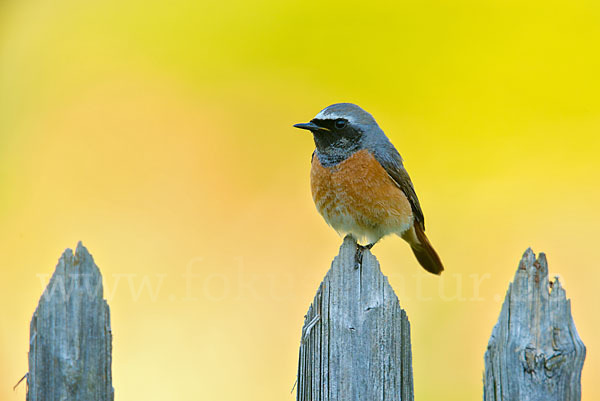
<point>360,185</point>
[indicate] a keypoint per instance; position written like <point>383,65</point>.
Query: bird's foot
<point>358,256</point>
<point>360,250</point>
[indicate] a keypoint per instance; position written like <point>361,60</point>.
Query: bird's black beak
<point>311,127</point>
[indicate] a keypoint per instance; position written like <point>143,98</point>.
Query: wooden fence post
<point>535,353</point>
<point>70,337</point>
<point>356,339</point>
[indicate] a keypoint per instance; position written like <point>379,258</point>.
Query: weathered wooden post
<point>535,353</point>
<point>356,339</point>
<point>70,337</point>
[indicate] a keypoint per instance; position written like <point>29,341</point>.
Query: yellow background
<point>159,133</point>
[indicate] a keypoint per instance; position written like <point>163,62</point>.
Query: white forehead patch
<point>332,115</point>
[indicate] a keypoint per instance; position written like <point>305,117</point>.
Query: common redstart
<point>360,185</point>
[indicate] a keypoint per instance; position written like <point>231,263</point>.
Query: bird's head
<point>340,130</point>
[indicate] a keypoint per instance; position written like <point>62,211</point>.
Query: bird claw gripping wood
<point>358,256</point>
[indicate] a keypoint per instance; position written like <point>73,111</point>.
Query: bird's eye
<point>340,123</point>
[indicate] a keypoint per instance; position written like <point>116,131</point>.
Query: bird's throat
<point>332,150</point>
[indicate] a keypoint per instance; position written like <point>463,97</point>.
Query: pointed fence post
<point>70,337</point>
<point>535,353</point>
<point>356,339</point>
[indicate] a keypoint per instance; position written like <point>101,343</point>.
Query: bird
<point>360,186</point>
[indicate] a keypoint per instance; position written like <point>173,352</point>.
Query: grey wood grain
<point>70,336</point>
<point>534,353</point>
<point>356,339</point>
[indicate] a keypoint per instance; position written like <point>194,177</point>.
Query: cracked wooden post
<point>535,353</point>
<point>70,337</point>
<point>356,339</point>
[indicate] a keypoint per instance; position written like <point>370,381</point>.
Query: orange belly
<point>358,197</point>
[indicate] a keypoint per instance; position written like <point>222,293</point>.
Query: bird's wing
<point>399,175</point>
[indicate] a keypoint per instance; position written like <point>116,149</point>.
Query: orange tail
<point>423,250</point>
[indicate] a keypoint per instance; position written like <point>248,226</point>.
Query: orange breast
<point>358,197</point>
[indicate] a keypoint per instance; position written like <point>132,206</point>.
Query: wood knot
<point>529,360</point>
<point>554,363</point>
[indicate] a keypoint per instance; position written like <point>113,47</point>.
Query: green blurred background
<point>159,133</point>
